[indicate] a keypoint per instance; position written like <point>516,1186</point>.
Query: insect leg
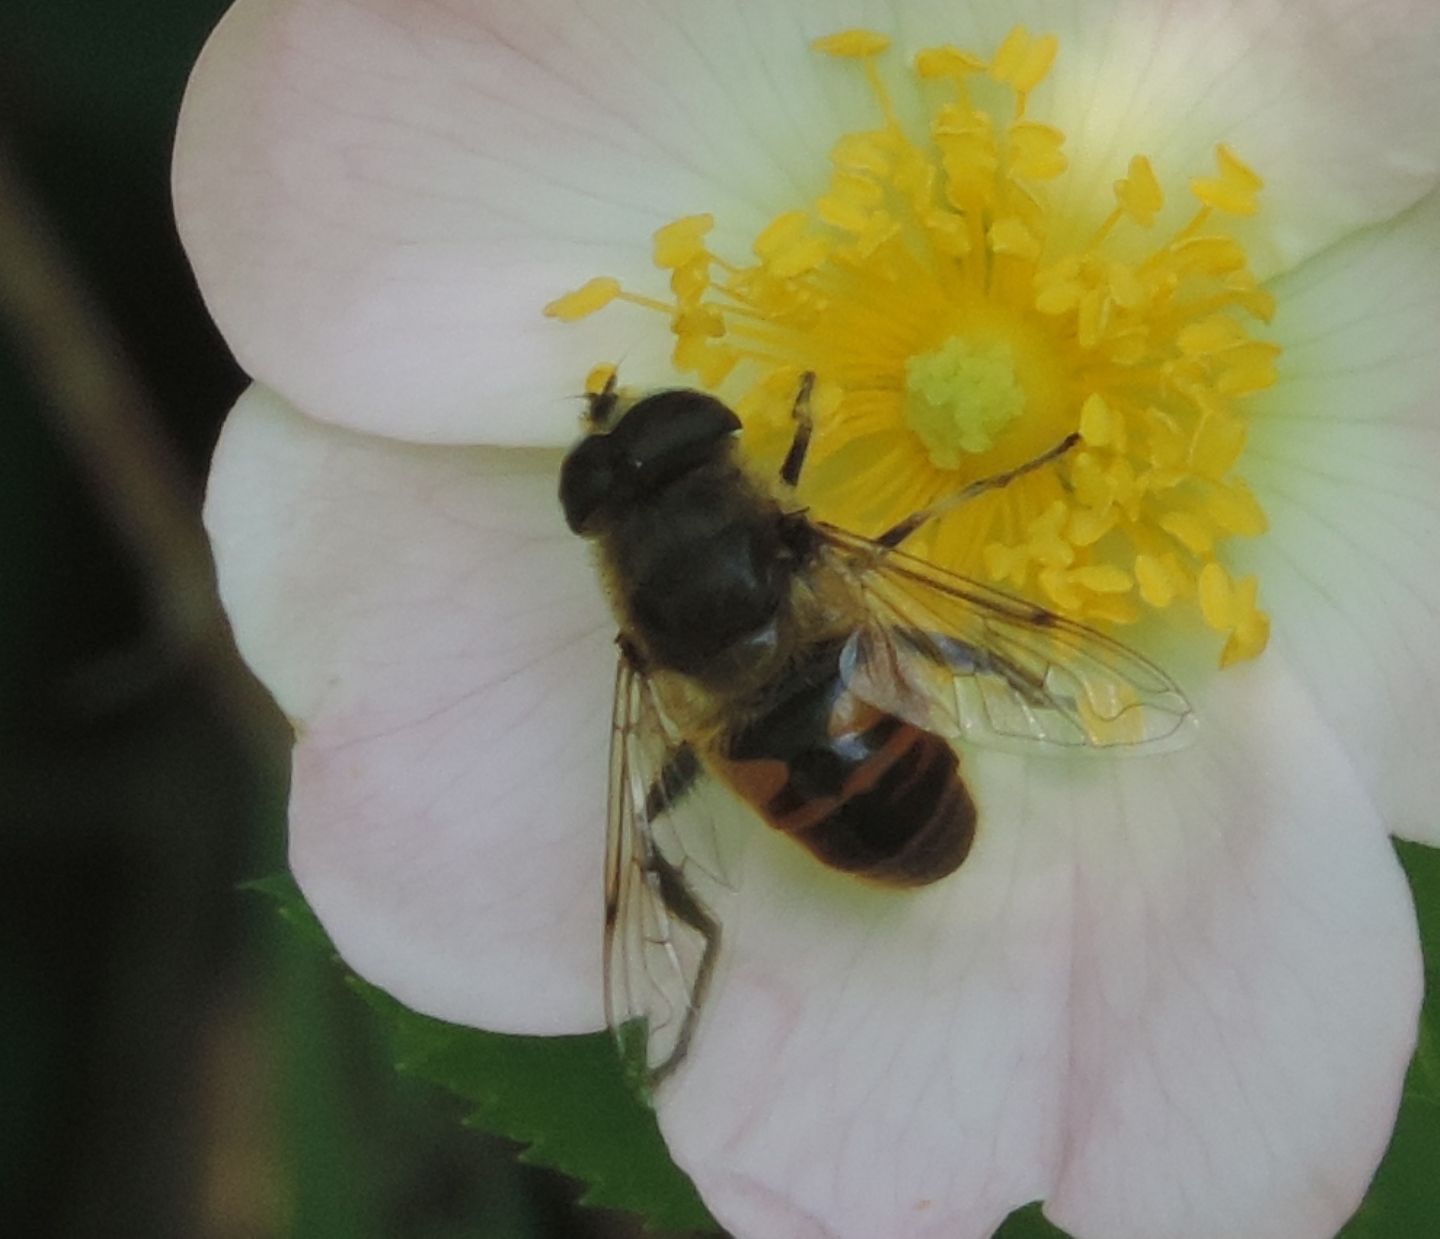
<point>676,777</point>
<point>600,405</point>
<point>681,903</point>
<point>804,425</point>
<point>897,534</point>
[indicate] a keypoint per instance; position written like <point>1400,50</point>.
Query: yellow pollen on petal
<point>959,325</point>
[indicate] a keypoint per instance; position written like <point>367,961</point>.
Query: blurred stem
<point>332,1192</point>
<point>104,415</point>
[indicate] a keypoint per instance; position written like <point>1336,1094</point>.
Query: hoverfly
<point>825,679</point>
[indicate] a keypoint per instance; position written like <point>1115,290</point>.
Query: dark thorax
<point>701,561</point>
<point>705,571</point>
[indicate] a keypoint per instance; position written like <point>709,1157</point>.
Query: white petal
<point>1246,985</point>
<point>438,637</point>
<point>380,197</point>
<point>1345,458</point>
<point>1176,995</point>
<point>1333,103</point>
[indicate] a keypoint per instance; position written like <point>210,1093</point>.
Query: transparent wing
<point>977,664</point>
<point>662,856</point>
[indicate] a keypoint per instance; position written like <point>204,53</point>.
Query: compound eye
<point>671,432</point>
<point>590,480</point>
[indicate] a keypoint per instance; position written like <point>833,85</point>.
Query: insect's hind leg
<point>680,902</point>
<point>678,775</point>
<point>804,427</point>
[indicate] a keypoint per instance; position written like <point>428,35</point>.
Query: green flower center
<point>960,396</point>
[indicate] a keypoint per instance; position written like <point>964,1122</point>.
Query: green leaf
<point>1029,1223</point>
<point>293,908</point>
<point>566,1098</point>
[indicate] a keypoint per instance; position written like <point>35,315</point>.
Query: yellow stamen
<point>954,338</point>
<point>594,295</point>
<point>683,241</point>
<point>1035,151</point>
<point>852,44</point>
<point>951,62</point>
<point>1023,61</point>
<point>1139,193</point>
<point>1235,191</point>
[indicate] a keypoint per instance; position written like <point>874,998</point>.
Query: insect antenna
<point>804,428</point>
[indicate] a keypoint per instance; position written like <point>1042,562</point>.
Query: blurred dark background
<point>173,1060</point>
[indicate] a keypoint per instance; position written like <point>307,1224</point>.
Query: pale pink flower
<point>1173,997</point>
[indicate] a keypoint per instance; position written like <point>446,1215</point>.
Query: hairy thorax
<point>706,577</point>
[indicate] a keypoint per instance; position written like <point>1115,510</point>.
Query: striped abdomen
<point>865,791</point>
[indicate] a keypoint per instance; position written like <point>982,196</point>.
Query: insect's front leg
<point>804,426</point>
<point>897,534</point>
<point>600,405</point>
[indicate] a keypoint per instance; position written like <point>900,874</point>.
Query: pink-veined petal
<point>1247,981</point>
<point>437,636</point>
<point>1176,995</point>
<point>380,197</point>
<point>1344,455</point>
